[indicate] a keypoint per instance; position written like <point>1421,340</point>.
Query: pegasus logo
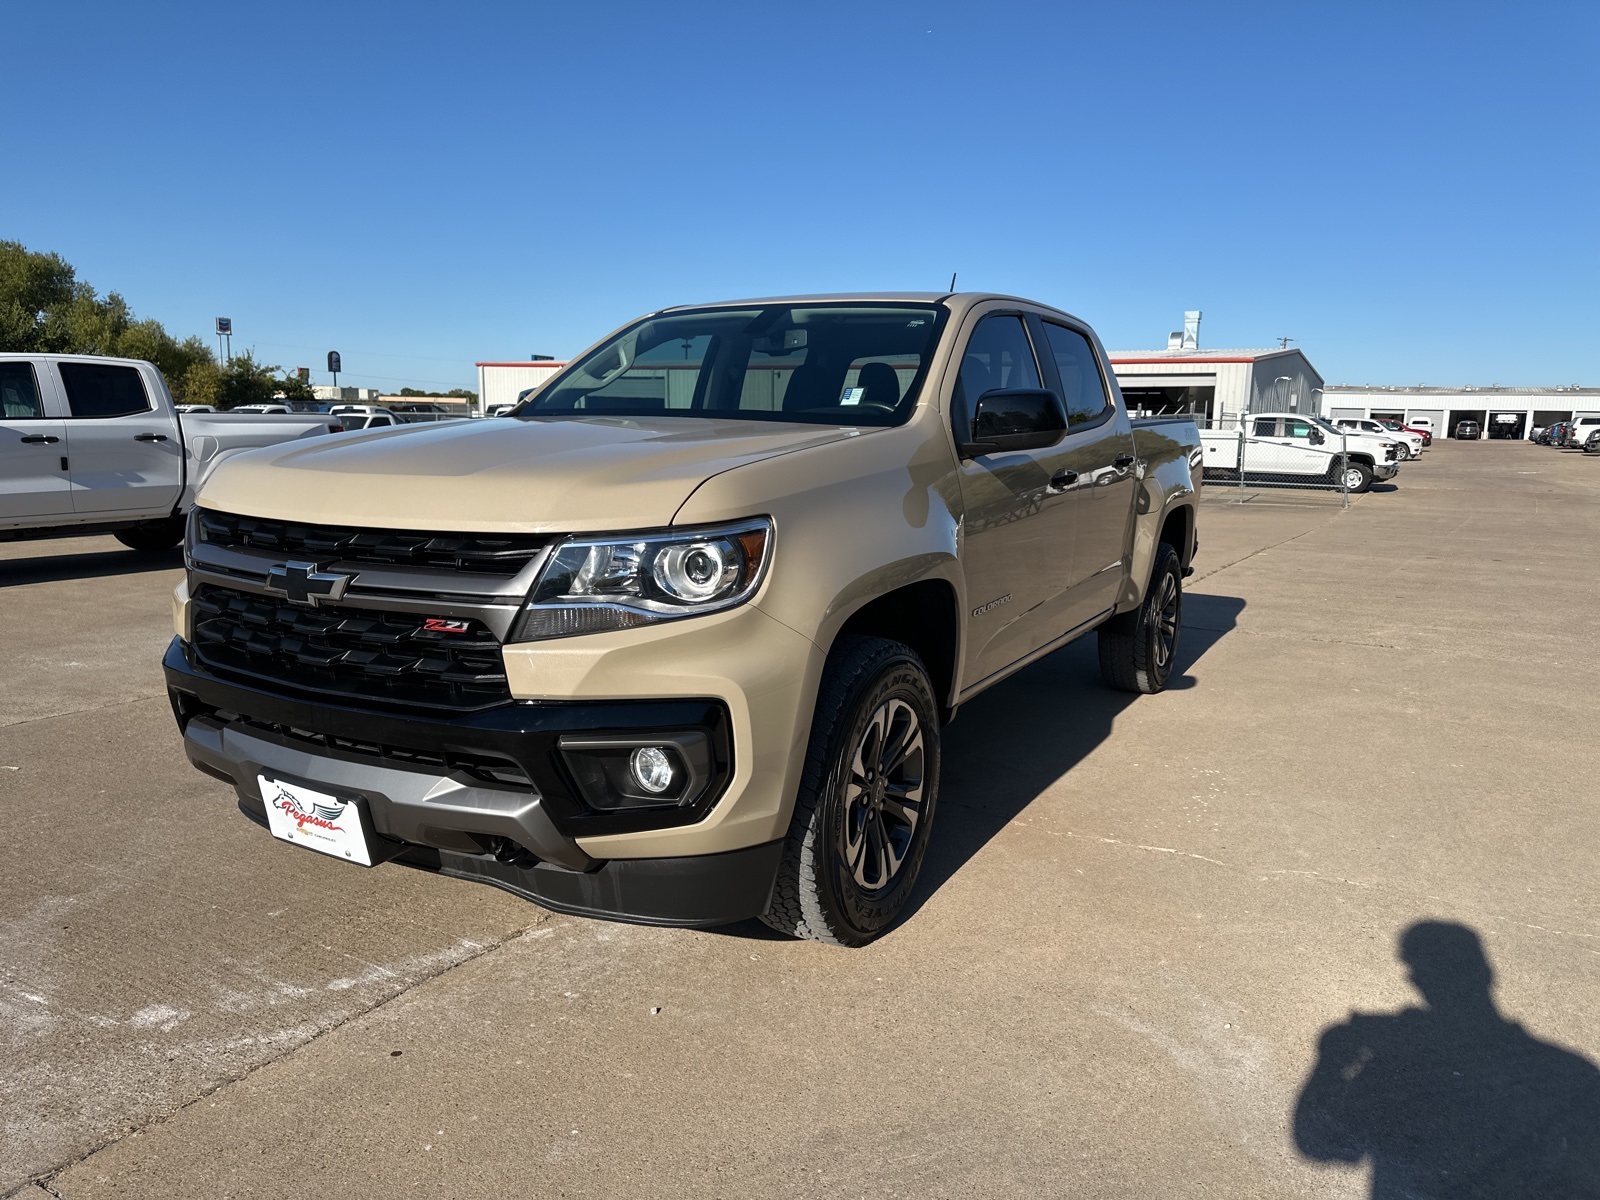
<point>306,583</point>
<point>320,816</point>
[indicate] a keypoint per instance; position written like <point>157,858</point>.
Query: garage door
<point>1433,416</point>
<point>1353,414</point>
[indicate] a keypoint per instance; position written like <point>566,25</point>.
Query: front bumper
<point>1386,470</point>
<point>434,788</point>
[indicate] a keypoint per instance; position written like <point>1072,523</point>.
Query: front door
<point>126,457</point>
<point>1287,446</point>
<point>33,443</point>
<point>1017,514</point>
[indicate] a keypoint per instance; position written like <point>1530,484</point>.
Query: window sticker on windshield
<point>853,395</point>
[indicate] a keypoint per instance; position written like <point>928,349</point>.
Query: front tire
<point>866,800</point>
<point>1137,649</point>
<point>1357,477</point>
<point>153,536</point>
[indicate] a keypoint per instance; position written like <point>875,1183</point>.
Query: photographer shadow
<point>1452,1099</point>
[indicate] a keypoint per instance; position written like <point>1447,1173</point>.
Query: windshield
<point>824,364</point>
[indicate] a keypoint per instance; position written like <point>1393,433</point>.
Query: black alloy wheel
<point>1139,649</point>
<point>867,796</point>
<point>883,797</point>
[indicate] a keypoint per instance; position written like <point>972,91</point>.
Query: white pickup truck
<point>95,444</point>
<point>1289,448</point>
<point>1407,443</point>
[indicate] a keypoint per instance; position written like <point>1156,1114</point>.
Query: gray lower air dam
<point>407,805</point>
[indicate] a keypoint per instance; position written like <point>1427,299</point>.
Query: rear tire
<point>153,536</point>
<point>1137,649</point>
<point>867,797</point>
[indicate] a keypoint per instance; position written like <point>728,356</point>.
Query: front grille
<point>483,553</point>
<point>360,653</point>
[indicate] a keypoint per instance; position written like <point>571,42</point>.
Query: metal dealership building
<point>503,382</point>
<point>1500,412</point>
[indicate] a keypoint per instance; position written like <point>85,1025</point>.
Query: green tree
<point>295,390</point>
<point>46,308</point>
<point>200,384</point>
<point>245,381</point>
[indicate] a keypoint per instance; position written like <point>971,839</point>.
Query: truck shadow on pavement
<point>1452,1099</point>
<point>55,568</point>
<point>1013,742</point>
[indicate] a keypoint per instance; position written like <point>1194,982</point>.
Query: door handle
<point>1062,480</point>
<point>149,437</point>
<point>1122,460</point>
<point>40,439</point>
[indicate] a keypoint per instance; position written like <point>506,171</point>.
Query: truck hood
<point>500,475</point>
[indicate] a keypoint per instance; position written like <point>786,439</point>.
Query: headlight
<point>589,585</point>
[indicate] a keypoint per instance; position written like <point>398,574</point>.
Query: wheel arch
<point>924,615</point>
<point>1177,529</point>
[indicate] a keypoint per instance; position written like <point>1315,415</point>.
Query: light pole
<point>1314,391</point>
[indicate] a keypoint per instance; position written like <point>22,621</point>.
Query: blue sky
<point>1409,190</point>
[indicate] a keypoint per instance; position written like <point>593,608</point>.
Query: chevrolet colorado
<point>96,444</point>
<point>674,642</point>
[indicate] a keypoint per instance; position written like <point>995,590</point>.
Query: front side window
<point>102,390</point>
<point>1081,386</point>
<point>1297,429</point>
<point>833,364</point>
<point>998,355</point>
<point>19,393</point>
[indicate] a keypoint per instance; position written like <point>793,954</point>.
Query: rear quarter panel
<point>1169,468</point>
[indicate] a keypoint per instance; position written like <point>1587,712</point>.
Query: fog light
<point>651,769</point>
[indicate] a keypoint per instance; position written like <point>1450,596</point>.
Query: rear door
<point>126,457</point>
<point>33,446</point>
<point>1098,453</point>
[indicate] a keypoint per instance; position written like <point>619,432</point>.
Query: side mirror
<point>1316,437</point>
<point>1014,419</point>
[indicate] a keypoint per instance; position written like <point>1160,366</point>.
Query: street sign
<point>304,373</point>
<point>224,326</point>
<point>333,362</point>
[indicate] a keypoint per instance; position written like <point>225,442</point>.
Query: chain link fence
<point>1284,452</point>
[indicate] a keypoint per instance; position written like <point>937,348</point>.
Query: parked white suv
<point>1409,444</point>
<point>1579,429</point>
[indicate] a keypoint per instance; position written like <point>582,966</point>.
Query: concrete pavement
<point>1138,918</point>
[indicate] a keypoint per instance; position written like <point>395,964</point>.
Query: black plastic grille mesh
<point>359,653</point>
<point>487,554</point>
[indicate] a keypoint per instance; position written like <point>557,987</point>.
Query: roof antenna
<point>952,281</point>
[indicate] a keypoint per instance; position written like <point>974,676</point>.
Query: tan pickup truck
<point>674,643</point>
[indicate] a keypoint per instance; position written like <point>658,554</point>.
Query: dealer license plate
<point>315,820</point>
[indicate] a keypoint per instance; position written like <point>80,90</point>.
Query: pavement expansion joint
<point>539,926</point>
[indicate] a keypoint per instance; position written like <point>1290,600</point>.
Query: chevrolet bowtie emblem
<point>304,583</point>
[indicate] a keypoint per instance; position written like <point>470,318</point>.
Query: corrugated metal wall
<point>499,383</point>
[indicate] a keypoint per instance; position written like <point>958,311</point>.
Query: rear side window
<point>1266,427</point>
<point>102,390</point>
<point>19,393</point>
<point>1083,391</point>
